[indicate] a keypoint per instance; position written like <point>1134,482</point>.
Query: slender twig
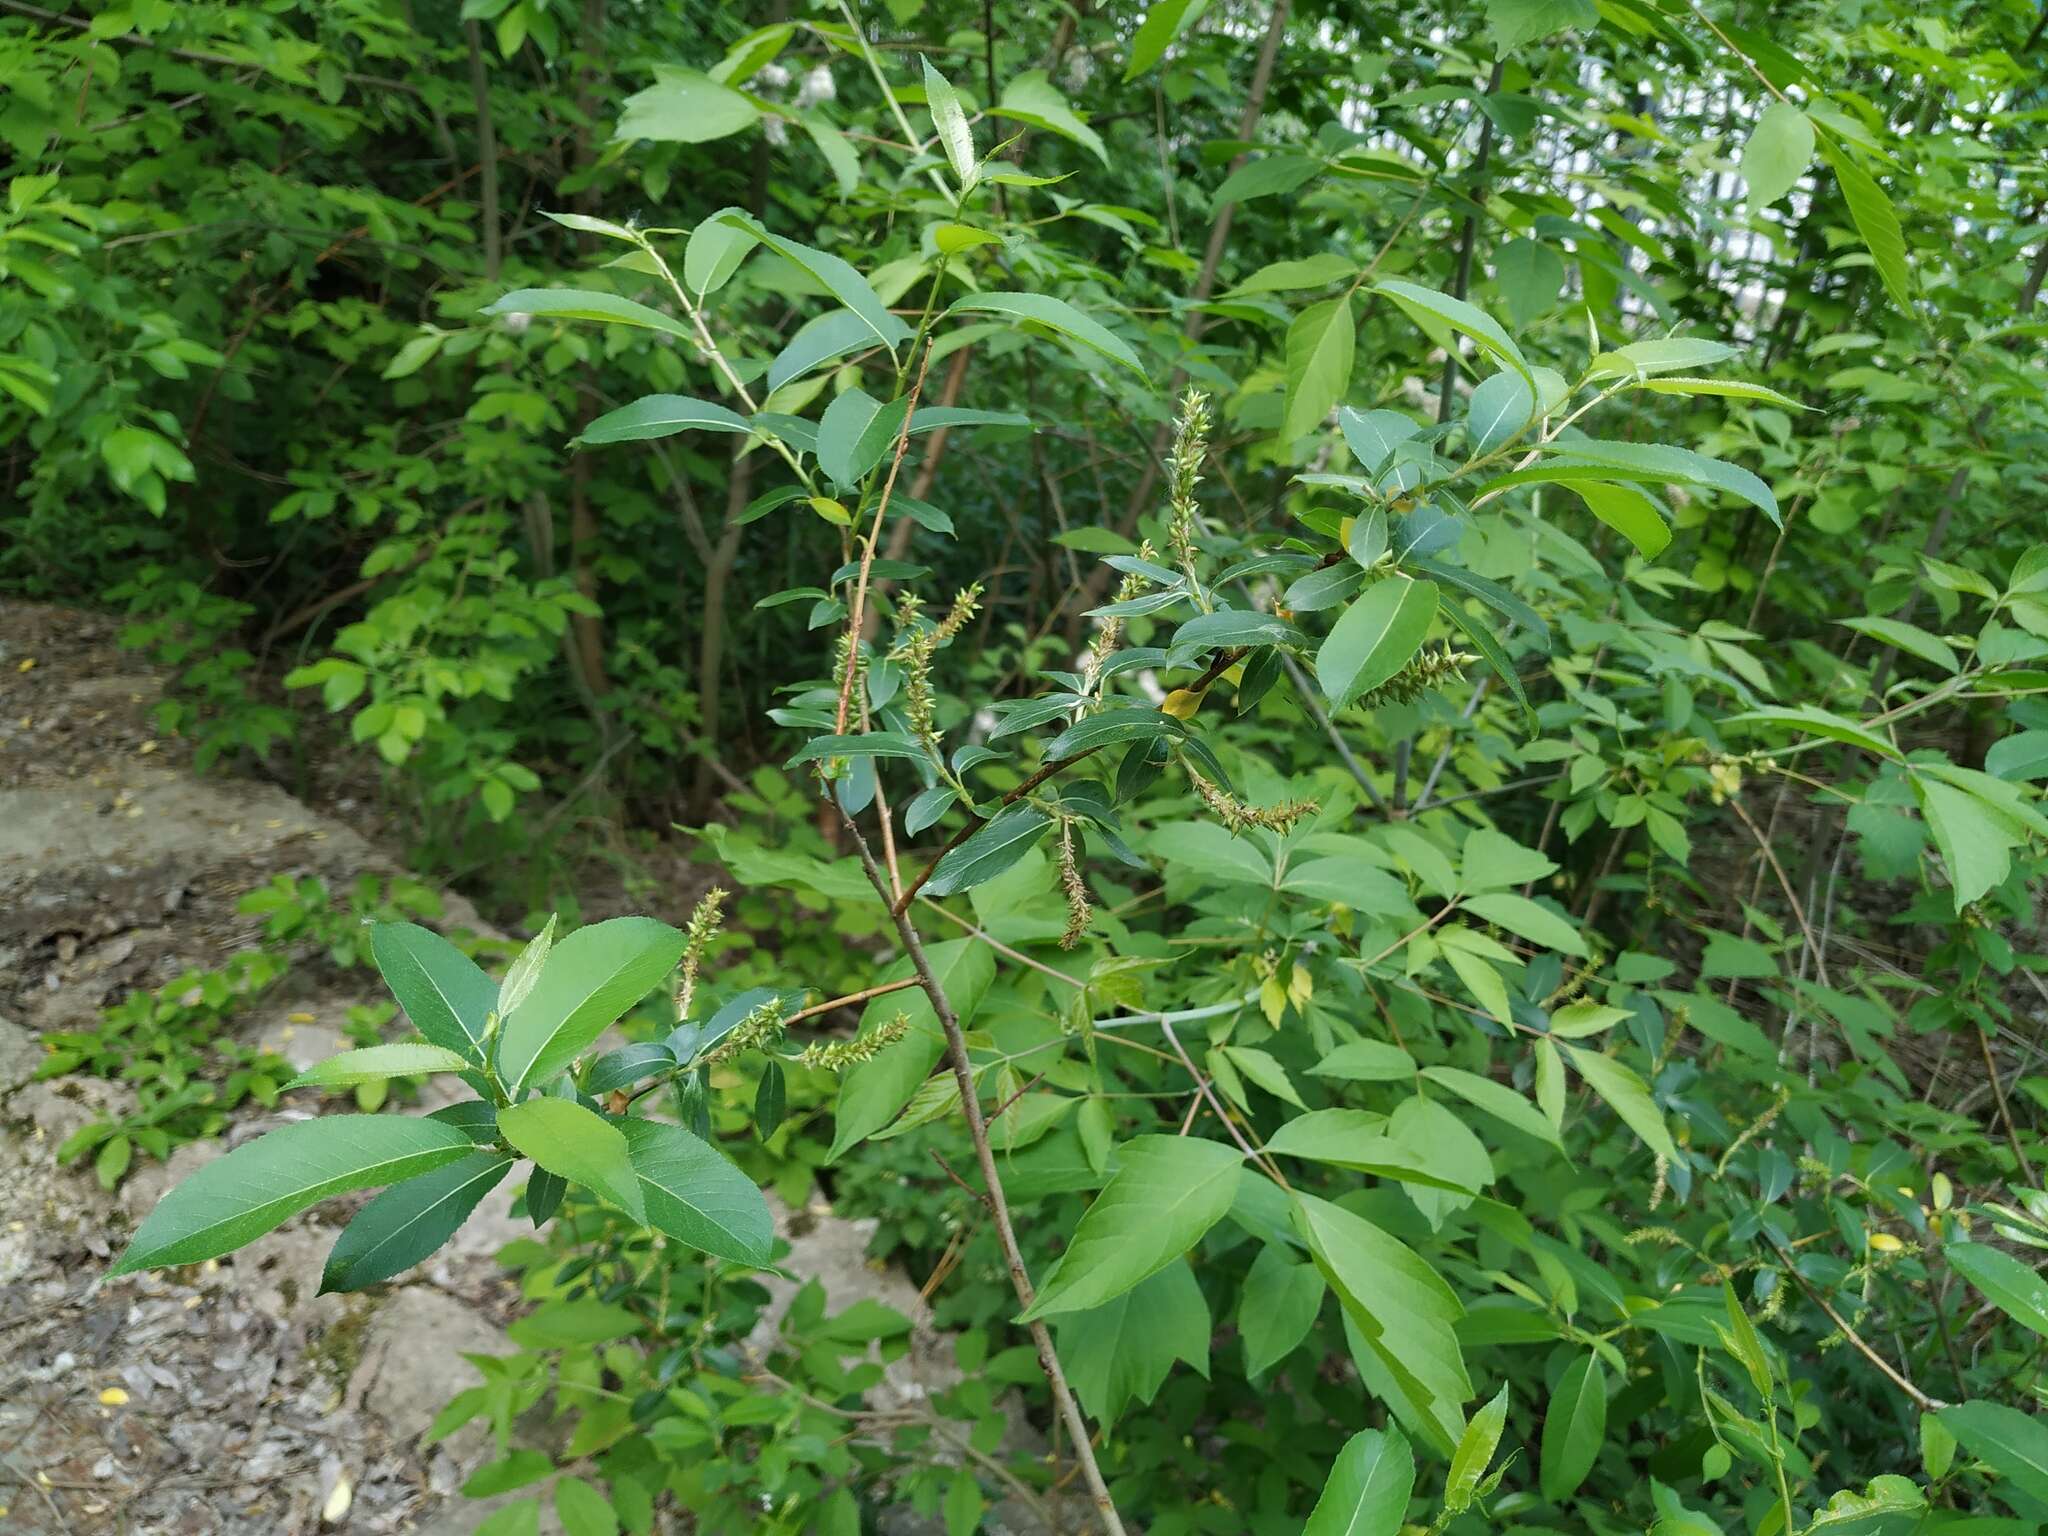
<point>998,1205</point>
<point>975,821</point>
<point>850,999</point>
<point>2004,1110</point>
<point>1206,1095</point>
<point>1820,964</point>
<point>1919,1399</point>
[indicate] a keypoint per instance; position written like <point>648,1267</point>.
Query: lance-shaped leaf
<point>695,1195</point>
<point>585,304</point>
<point>375,1063</point>
<point>1321,345</point>
<point>1368,1489</point>
<point>576,1144</point>
<point>1055,315</point>
<point>990,851</point>
<point>1167,1192</point>
<point>951,123</point>
<point>445,993</point>
<point>1438,312</point>
<point>1574,1426</point>
<point>839,279</point>
<point>590,978</point>
<point>1375,637</point>
<point>267,1182</point>
<point>661,416</point>
<point>406,1224</point>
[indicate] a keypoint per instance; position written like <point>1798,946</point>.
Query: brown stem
<point>711,636</point>
<point>998,1204</point>
<point>2004,1110</point>
<point>1918,1398</point>
<point>486,150</point>
<point>976,821</point>
<point>862,996</point>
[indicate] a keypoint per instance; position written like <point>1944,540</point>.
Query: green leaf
<point>1366,1061</point>
<point>1317,271</point>
<point>1515,22</point>
<point>1574,1427</point>
<point>407,1223</point>
<point>684,107</point>
<point>1033,99</point>
<point>1530,276</point>
<point>2013,1444</point>
<point>1475,1451</point>
<point>444,993</point>
<point>1235,626</point>
<point>525,970</point>
<point>1375,638</point>
<point>1055,315</point>
<point>1352,1138</point>
<point>1267,176</point>
<point>1320,346</point>
<point>837,277</point>
<point>951,123</point>
<point>373,1064</point>
<point>2016,1289</point>
<point>661,416</point>
<point>584,1511</point>
<point>714,253</point>
<point>1435,311</point>
<point>1525,918</point>
<point>579,1145</point>
<point>1368,1489</point>
<point>873,1093</point>
<point>1627,1096</point>
<point>1404,1315</point>
<point>1975,837</point>
<point>1728,389</point>
<point>854,434</point>
<point>1264,1070</point>
<point>1164,21</point>
<point>1501,407</point>
<point>867,744</point>
<point>1628,512</point>
<point>2021,757</point>
<point>692,1192</point>
<point>1122,1351</point>
<point>584,304</point>
<point>1497,1100</point>
<point>591,977</point>
<point>1278,1307</point>
<point>238,1198</point>
<point>1111,728</point>
<point>1819,722</point>
<point>1167,1192</point>
<point>1910,638</point>
<point>1658,462</point>
<point>1876,221</point>
<point>991,850</point>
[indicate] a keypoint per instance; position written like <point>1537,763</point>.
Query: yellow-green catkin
<point>1109,634</point>
<point>914,651</point>
<point>757,1029</point>
<point>1237,816</point>
<point>1431,668</point>
<point>838,1055</point>
<point>1183,474</point>
<point>1079,912</point>
<point>703,927</point>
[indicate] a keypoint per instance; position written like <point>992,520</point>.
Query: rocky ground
<point>228,1399</point>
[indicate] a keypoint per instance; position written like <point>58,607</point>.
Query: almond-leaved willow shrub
<point>1288,1112</point>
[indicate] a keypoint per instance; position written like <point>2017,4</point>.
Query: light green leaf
<point>1910,638</point>
<point>1366,1061</point>
<point>1728,389</point>
<point>525,970</point>
<point>1574,1426</point>
<point>1475,1451</point>
<point>1575,1021</point>
<point>578,1144</point>
<point>238,1198</point>
<point>1628,512</point>
<point>1167,1192</point>
<point>1277,1307</point>
<point>1497,1100</point>
<point>1320,346</point>
<point>1368,1488</point>
<point>661,416</point>
<point>1876,221</point>
<point>1521,916</point>
<point>1627,1096</point>
<point>2013,1444</point>
<point>1317,271</point>
<point>1164,21</point>
<point>855,433</point>
<point>692,1192</point>
<point>837,277</point>
<point>1033,99</point>
<point>1261,1067</point>
<point>1435,312</point>
<point>373,1064</point>
<point>1661,462</point>
<point>1515,22</point>
<point>1355,1139</point>
<point>684,107</point>
<point>2016,1289</point>
<point>873,1093</point>
<point>1122,1351</point>
<point>1375,637</point>
<point>1501,407</point>
<point>951,123</point>
<point>1663,354</point>
<point>585,304</point>
<point>1780,148</point>
<point>1055,315</point>
<point>590,979</point>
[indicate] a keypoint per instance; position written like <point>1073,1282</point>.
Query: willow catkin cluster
<point>1431,667</point>
<point>914,650</point>
<point>1079,912</point>
<point>760,1027</point>
<point>703,927</point>
<point>1236,815</point>
<point>1183,474</point>
<point>838,1055</point>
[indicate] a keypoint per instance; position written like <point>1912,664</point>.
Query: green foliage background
<point>1602,903</point>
